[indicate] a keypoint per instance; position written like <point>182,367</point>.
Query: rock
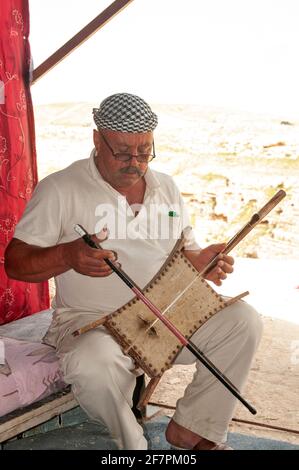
<point>253,254</point>
<point>277,144</point>
<point>286,123</point>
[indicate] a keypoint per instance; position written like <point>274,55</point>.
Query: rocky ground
<point>272,385</point>
<point>227,165</point>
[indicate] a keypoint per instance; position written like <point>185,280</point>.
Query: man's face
<point>118,173</point>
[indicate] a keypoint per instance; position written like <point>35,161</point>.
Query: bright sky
<point>236,53</point>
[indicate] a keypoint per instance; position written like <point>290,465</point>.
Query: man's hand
<point>86,260</point>
<point>200,259</point>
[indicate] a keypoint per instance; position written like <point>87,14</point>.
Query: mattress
<point>29,369</point>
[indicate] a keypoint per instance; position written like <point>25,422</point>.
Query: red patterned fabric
<point>18,172</point>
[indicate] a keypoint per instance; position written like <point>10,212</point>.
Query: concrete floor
<point>89,436</point>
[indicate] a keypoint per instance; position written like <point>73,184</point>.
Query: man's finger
<point>226,267</point>
<point>221,274</point>
<point>99,266</point>
<point>102,235</point>
<point>217,247</point>
<point>106,267</point>
<point>228,259</point>
<point>100,274</point>
<point>101,254</point>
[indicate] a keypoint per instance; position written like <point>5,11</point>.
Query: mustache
<point>131,170</point>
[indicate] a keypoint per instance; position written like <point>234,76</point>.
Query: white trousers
<point>103,378</point>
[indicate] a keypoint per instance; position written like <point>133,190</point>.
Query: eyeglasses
<point>125,157</point>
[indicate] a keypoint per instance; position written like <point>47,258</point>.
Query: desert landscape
<point>227,165</point>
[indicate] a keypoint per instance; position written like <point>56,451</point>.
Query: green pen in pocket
<point>173,214</point>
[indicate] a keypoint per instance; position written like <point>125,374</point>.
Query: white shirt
<point>79,195</point>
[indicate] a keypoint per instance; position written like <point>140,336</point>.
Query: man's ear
<point>96,138</point>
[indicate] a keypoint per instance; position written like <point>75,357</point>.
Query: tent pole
<point>76,41</point>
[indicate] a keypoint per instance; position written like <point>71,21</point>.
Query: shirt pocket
<point>166,227</point>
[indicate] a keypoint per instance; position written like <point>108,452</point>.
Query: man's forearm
<point>32,263</point>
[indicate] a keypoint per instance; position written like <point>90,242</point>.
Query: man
<point>115,192</point>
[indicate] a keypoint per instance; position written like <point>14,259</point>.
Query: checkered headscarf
<point>124,112</point>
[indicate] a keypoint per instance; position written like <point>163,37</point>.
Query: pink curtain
<point>18,171</point>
